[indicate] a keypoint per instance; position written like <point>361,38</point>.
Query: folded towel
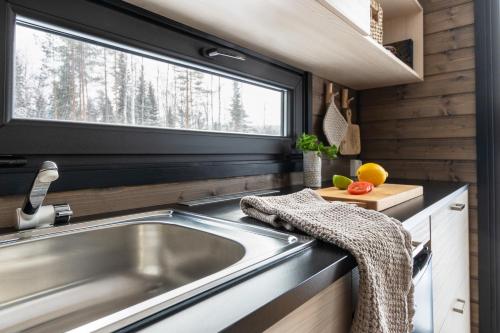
<point>380,245</point>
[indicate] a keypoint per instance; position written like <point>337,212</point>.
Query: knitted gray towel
<point>380,245</point>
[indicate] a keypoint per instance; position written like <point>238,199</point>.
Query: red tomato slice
<point>358,188</point>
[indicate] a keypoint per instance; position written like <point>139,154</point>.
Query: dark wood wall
<point>427,130</point>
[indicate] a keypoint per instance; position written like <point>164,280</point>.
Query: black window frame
<point>99,155</point>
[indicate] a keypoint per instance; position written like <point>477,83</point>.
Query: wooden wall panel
<point>427,130</point>
<point>452,39</point>
<point>98,201</point>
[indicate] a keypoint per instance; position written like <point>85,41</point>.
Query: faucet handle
<point>63,214</point>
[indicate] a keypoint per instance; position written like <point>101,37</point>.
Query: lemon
<point>341,182</point>
<point>372,173</point>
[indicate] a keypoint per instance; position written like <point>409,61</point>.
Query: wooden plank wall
<point>427,130</point>
<point>340,165</point>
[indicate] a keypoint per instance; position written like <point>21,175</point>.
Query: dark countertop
<point>255,302</point>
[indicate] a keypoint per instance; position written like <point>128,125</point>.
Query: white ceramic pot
<point>312,169</point>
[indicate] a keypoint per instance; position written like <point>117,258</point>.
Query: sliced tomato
<point>358,188</point>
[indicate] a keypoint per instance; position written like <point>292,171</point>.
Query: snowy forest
<point>60,78</point>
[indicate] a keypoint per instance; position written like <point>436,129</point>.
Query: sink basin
<point>104,275</point>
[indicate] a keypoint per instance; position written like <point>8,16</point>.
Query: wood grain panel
<point>449,61</point>
<point>438,106</point>
<point>449,40</point>
<point>420,149</point>
<point>447,170</point>
<point>474,314</point>
<point>474,272</point>
<point>98,201</point>
<point>473,243</point>
<point>474,290</point>
<point>473,196</point>
<point>449,18</point>
<point>473,219</point>
<point>441,127</point>
<point>434,5</point>
<point>435,85</point>
<point>329,311</point>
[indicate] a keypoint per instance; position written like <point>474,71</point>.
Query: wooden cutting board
<point>380,198</point>
<point>351,144</point>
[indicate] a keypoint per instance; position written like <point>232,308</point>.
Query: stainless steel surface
<point>32,214</point>
<point>225,53</point>
<point>227,197</point>
<point>63,214</point>
<point>106,274</point>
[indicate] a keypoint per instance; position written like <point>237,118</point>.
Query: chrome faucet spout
<point>46,175</point>
<point>33,214</point>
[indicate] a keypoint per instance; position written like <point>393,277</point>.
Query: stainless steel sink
<point>106,274</point>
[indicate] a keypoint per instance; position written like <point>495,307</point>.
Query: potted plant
<point>312,149</point>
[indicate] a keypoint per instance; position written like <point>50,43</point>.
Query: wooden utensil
<point>334,124</point>
<point>351,144</point>
<point>380,198</point>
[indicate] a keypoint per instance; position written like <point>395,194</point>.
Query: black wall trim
<point>99,177</point>
<point>487,41</point>
<point>176,155</point>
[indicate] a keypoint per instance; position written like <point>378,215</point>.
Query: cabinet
<point>329,38</point>
<point>450,269</point>
<point>329,311</point>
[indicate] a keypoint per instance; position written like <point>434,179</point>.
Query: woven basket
<point>376,22</point>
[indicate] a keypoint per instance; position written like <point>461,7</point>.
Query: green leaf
<point>310,142</point>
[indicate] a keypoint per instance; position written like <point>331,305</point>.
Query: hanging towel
<point>380,245</point>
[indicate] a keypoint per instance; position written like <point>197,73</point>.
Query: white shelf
<point>302,33</point>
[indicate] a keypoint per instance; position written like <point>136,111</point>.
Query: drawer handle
<point>459,306</point>
<point>458,206</point>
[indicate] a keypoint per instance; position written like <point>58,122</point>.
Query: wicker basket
<point>376,22</point>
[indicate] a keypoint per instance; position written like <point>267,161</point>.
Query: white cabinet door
<point>356,13</point>
<point>450,267</point>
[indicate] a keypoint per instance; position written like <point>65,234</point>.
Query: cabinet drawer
<point>421,231</point>
<point>450,247</point>
<point>457,319</point>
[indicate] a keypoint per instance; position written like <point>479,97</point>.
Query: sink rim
<point>164,301</point>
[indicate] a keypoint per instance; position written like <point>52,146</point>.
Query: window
<point>61,76</point>
<point>119,96</point>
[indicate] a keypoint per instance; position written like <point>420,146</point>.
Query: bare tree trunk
<point>220,108</point>
<point>167,111</point>
<point>211,102</point>
<point>188,99</point>
<point>133,68</point>
<point>106,110</point>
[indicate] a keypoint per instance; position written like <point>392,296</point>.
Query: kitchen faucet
<point>33,214</point>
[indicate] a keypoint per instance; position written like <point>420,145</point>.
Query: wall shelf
<point>310,34</point>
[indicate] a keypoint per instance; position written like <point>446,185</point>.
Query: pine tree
<point>219,120</point>
<point>184,80</point>
<point>106,105</point>
<point>151,107</point>
<point>236,110</point>
<point>199,103</point>
<point>21,100</point>
<point>169,110</point>
<point>64,86</point>
<point>120,87</point>
<point>140,96</point>
<point>81,71</point>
